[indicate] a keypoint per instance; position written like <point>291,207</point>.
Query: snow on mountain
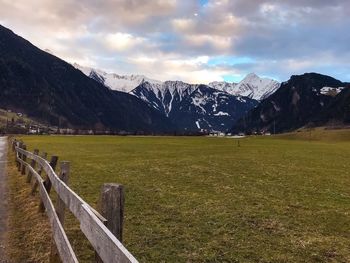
<point>124,83</point>
<point>330,91</point>
<point>210,109</point>
<point>195,107</point>
<point>163,95</point>
<point>251,86</point>
<point>192,107</point>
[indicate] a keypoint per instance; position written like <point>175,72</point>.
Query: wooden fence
<point>104,232</point>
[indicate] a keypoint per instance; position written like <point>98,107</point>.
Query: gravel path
<point>3,197</point>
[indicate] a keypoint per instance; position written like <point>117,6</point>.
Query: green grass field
<point>200,199</point>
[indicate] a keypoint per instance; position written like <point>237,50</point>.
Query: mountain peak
<point>251,75</point>
<point>124,83</point>
<point>251,86</point>
<point>310,98</point>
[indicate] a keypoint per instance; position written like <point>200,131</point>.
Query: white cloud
<point>175,39</point>
<point>123,41</point>
<point>219,43</point>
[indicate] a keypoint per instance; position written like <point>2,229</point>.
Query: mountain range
<point>192,107</point>
<point>52,91</point>
<point>195,107</point>
<point>251,86</point>
<point>305,100</point>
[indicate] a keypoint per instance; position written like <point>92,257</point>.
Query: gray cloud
<point>180,37</point>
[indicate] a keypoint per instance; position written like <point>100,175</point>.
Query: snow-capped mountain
<point>163,96</point>
<point>195,107</point>
<point>124,83</point>
<point>251,86</point>
<point>192,107</point>
<point>211,110</point>
<point>303,100</point>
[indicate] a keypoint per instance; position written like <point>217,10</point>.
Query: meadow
<point>202,199</point>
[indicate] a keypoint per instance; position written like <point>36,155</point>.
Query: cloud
<point>172,39</point>
<point>122,41</point>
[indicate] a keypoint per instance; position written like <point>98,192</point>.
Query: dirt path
<point>3,197</point>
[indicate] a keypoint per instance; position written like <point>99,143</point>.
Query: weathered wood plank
<point>64,176</point>
<point>60,209</point>
<point>103,241</point>
<point>47,181</point>
<point>19,155</point>
<point>32,164</point>
<point>109,248</point>
<point>24,158</point>
<point>63,245</point>
<point>35,184</point>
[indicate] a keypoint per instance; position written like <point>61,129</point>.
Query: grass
<point>29,231</point>
<point>271,199</point>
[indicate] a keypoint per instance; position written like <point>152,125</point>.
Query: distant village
<point>18,123</point>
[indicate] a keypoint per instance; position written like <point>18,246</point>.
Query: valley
<point>73,97</point>
<point>174,131</point>
<point>211,199</point>
<point>192,107</point>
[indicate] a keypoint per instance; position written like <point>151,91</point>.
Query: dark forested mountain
<point>195,107</point>
<point>49,89</point>
<point>338,111</point>
<point>309,99</point>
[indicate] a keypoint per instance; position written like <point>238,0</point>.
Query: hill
<point>48,89</point>
<point>308,99</point>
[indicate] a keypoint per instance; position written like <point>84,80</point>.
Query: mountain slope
<point>295,104</point>
<point>210,109</point>
<point>251,86</point>
<point>170,97</point>
<point>165,96</point>
<point>195,107</point>
<point>47,88</point>
<point>338,111</point>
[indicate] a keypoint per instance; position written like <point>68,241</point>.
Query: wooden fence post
<point>47,182</point>
<point>14,142</point>
<point>24,158</point>
<point>64,176</point>
<point>32,164</point>
<point>35,185</point>
<point>20,144</point>
<point>60,210</point>
<point>112,208</point>
<point>16,154</point>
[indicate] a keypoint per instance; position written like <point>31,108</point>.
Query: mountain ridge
<point>195,107</point>
<point>303,100</point>
<point>170,98</point>
<point>47,88</point>
<point>251,86</point>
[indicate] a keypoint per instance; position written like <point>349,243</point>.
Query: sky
<point>197,41</point>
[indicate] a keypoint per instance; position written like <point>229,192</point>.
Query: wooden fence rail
<point>104,232</point>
